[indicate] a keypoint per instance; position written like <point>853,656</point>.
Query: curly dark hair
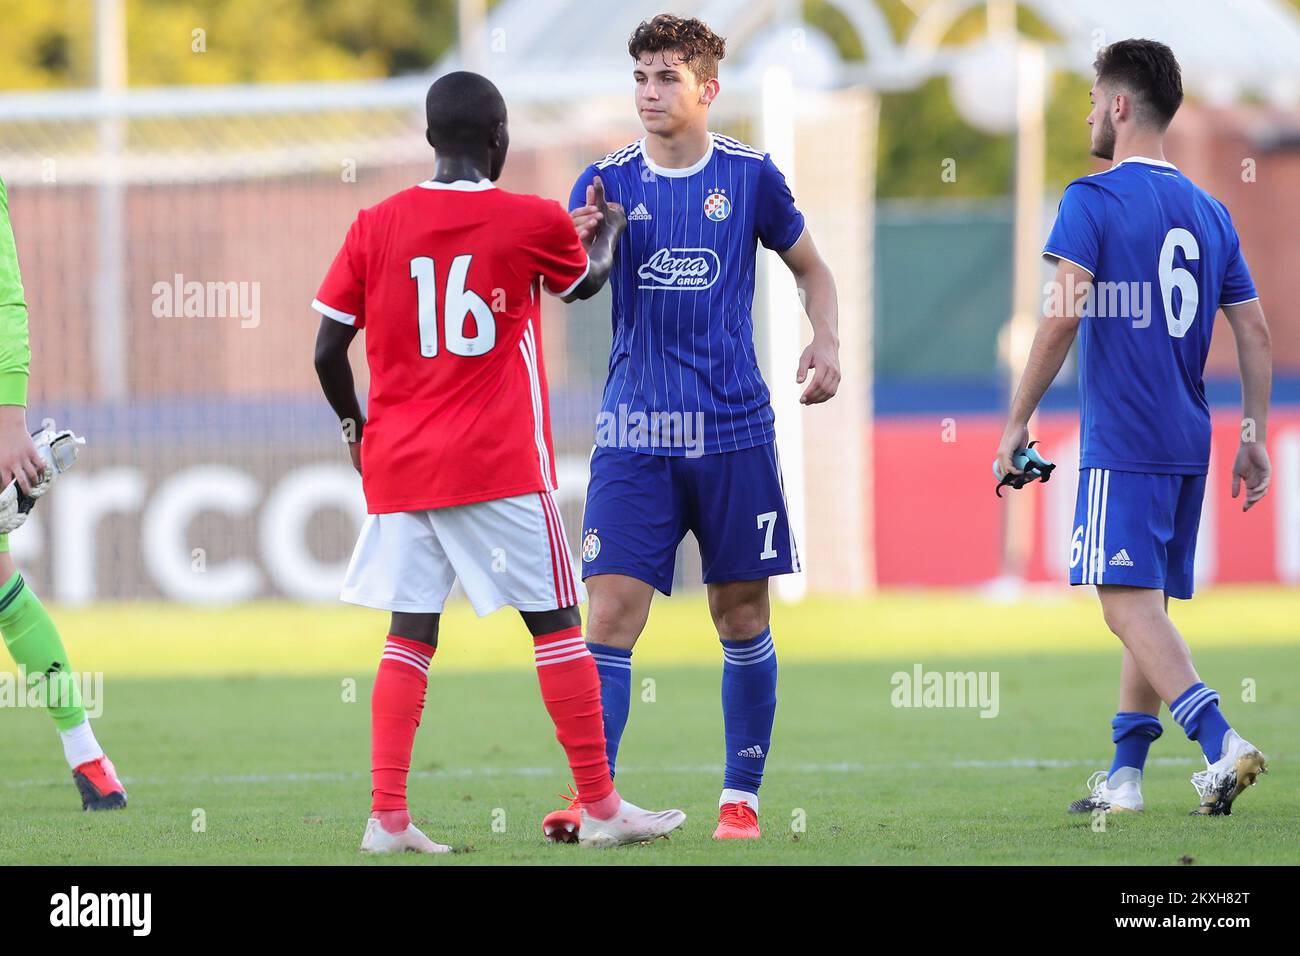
<point>1148,70</point>
<point>691,39</point>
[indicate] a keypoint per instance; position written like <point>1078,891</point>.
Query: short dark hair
<point>691,39</point>
<point>461,108</point>
<point>1148,70</point>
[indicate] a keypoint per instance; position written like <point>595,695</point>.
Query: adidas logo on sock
<point>639,214</point>
<point>1122,559</point>
<point>755,752</point>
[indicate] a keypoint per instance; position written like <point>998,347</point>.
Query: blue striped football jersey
<point>1164,257</point>
<point>683,293</point>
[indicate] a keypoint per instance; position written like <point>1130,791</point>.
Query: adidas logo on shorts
<point>754,751</point>
<point>1122,559</point>
<point>639,214</point>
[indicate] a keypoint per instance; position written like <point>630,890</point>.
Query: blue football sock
<point>748,709</point>
<point>614,664</point>
<point>1197,712</point>
<point>1133,734</point>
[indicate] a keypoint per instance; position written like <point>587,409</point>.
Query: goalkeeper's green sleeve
<point>15,349</point>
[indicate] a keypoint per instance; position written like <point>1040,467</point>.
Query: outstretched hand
<point>588,219</point>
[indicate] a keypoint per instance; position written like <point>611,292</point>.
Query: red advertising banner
<point>938,521</point>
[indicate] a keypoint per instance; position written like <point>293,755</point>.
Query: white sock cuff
<point>1125,775</point>
<point>80,745</point>
<point>735,796</point>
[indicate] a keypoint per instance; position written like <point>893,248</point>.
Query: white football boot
<point>410,840</point>
<point>1223,781</point>
<point>1117,793</point>
<point>630,824</point>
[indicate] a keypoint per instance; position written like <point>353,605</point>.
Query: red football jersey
<point>445,279</point>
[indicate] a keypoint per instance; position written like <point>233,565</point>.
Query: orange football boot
<point>561,826</point>
<point>98,784</point>
<point>736,821</point>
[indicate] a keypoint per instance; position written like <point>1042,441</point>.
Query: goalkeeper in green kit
<point>28,466</point>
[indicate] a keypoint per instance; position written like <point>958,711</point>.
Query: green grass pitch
<point>242,736</point>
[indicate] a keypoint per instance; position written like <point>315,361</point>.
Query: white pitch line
<point>464,773</point>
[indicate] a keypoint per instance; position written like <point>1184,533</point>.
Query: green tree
<point>50,44</point>
<point>45,45</point>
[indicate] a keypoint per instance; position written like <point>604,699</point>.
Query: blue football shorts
<point>1136,529</point>
<point>640,506</point>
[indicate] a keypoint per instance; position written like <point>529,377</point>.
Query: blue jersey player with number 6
<point>685,438</point>
<point>1142,232</point>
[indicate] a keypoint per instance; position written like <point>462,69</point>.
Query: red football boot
<point>736,821</point>
<point>100,789</point>
<point>561,826</point>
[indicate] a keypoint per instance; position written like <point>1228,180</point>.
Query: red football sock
<point>571,692</point>
<point>395,708</point>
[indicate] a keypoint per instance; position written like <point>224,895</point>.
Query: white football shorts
<point>510,551</point>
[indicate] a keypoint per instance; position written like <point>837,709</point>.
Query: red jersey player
<point>455,456</point>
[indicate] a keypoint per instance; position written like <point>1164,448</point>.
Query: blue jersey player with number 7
<point>685,438</point>
<point>1142,232</point>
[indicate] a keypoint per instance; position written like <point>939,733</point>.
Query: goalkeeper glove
<point>1033,467</point>
<point>59,450</point>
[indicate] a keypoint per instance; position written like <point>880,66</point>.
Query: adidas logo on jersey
<point>1121,559</point>
<point>639,214</point>
<point>755,751</point>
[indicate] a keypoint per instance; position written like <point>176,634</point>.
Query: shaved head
<point>463,110</point>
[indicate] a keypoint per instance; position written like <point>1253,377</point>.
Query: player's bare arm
<point>1047,354</point>
<point>817,293</point>
<point>1255,360</point>
<point>600,223</point>
<point>335,374</point>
